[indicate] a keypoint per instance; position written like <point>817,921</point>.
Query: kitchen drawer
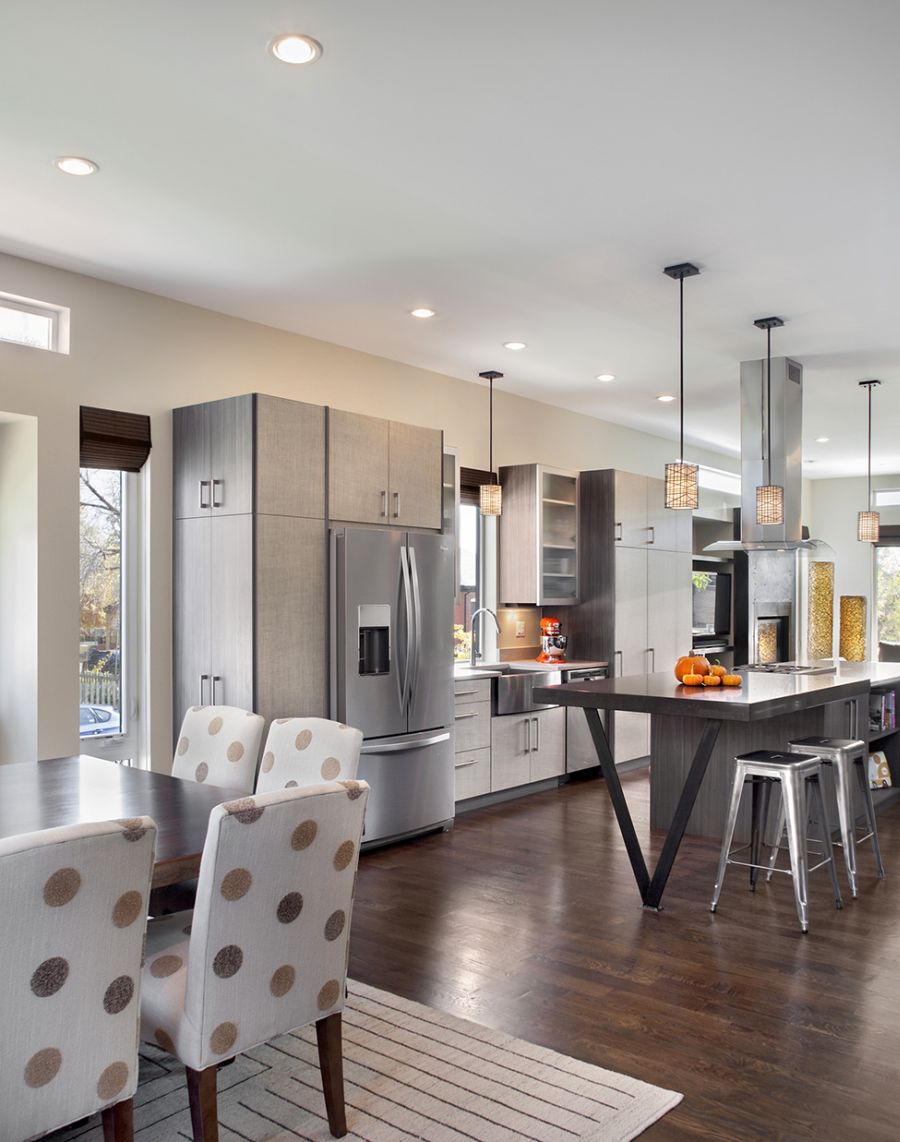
<point>472,721</point>
<point>473,773</point>
<point>474,690</point>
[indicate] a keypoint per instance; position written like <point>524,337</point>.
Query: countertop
<point>484,669</point>
<point>761,696</point>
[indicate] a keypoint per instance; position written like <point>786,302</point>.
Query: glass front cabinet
<point>538,536</point>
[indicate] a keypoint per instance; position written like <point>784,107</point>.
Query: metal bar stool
<point>844,755</point>
<point>796,773</point>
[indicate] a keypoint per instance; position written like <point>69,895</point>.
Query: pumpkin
<point>712,680</point>
<point>718,669</point>
<point>731,680</point>
<point>692,680</point>
<point>691,664</point>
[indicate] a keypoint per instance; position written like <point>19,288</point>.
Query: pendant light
<point>491,495</point>
<point>868,523</point>
<point>682,487</point>
<point>769,496</point>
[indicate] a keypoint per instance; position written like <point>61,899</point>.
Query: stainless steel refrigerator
<point>392,671</point>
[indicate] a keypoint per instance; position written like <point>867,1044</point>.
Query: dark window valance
<point>114,440</point>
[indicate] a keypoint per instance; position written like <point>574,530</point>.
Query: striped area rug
<point>410,1072</point>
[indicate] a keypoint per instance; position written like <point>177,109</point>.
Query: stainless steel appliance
<point>580,751</point>
<point>392,671</point>
<point>792,668</point>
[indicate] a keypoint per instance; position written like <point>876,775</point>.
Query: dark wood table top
<point>760,696</point>
<point>73,790</point>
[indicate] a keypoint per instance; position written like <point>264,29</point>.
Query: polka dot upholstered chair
<point>74,907</point>
<point>265,949</point>
<point>219,744</point>
<point>308,751</point>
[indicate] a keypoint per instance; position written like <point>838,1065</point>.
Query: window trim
<point>59,316</point>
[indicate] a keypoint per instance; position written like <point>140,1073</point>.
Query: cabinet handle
<point>203,506</point>
<point>203,678</point>
<point>618,533</point>
<point>528,735</point>
<point>465,764</point>
<point>396,505</point>
<point>459,717</point>
<point>652,531</point>
<point>463,693</point>
<point>537,734</point>
<point>852,719</point>
<point>652,652</point>
<point>618,654</point>
<point>216,502</point>
<point>215,678</point>
<point>384,504</point>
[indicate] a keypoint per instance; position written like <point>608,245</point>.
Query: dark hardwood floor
<point>525,917</point>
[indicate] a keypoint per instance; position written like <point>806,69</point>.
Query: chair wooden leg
<point>331,1064</point>
<point>118,1122</point>
<point>202,1095</point>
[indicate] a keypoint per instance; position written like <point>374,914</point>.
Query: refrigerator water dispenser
<point>374,638</point>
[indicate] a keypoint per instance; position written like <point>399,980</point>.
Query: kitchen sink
<point>514,689</point>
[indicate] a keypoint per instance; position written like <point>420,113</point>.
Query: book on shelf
<point>882,711</point>
<point>879,770</point>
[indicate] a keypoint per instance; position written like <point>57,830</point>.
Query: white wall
<point>18,588</point>
<point>143,353</point>
<point>834,505</point>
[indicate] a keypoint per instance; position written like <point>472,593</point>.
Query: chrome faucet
<point>481,611</point>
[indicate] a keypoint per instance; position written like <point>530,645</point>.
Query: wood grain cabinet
<point>635,588</point>
<point>538,536</point>
<point>472,737</point>
<point>527,747</point>
<point>382,471</point>
<point>249,586</point>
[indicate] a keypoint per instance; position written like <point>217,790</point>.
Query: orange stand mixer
<point>553,644</point>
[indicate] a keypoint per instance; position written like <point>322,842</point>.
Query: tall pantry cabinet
<point>635,587</point>
<point>249,556</point>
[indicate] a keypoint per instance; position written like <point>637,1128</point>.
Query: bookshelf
<point>884,735</point>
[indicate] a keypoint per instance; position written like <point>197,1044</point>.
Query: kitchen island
<point>690,727</point>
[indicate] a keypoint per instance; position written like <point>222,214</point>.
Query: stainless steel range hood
<point>786,416</point>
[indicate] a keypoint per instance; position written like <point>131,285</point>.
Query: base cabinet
<point>527,747</point>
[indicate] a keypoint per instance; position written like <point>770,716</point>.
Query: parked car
<point>95,721</point>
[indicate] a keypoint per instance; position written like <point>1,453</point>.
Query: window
<point>887,597</point>
<point>114,449</point>
<point>886,497</point>
<point>34,323</point>
<point>476,538</point>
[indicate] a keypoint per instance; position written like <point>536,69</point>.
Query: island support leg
<point>683,811</point>
<point>620,805</point>
<point>652,891</point>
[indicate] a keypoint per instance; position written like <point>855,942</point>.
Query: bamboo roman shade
<point>470,482</point>
<point>114,440</point>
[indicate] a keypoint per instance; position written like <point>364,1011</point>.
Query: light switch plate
<point>520,628</point>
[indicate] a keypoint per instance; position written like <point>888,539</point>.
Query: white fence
<point>99,689</point>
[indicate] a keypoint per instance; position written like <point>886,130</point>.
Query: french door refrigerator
<point>392,671</point>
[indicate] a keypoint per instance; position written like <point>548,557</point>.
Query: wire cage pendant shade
<point>490,496</point>
<point>868,523</point>
<point>769,496</point>
<point>682,490</point>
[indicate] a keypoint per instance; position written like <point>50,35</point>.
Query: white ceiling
<point>525,167</point>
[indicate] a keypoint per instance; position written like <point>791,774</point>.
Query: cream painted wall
<point>143,353</point>
<point>834,506</point>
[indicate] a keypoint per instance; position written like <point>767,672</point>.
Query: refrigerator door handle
<point>417,609</point>
<point>406,690</point>
<point>404,746</point>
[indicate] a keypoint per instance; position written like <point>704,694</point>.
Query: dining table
<point>75,790</point>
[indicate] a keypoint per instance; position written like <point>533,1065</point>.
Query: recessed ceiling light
<point>514,345</point>
<point>421,312</point>
<point>665,397</point>
<point>822,439</point>
<point>606,377</point>
<point>73,164</point>
<point>295,48</point>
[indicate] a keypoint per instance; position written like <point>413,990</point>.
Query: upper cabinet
<point>382,471</point>
<point>538,536</point>
<point>640,517</point>
<point>249,453</point>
